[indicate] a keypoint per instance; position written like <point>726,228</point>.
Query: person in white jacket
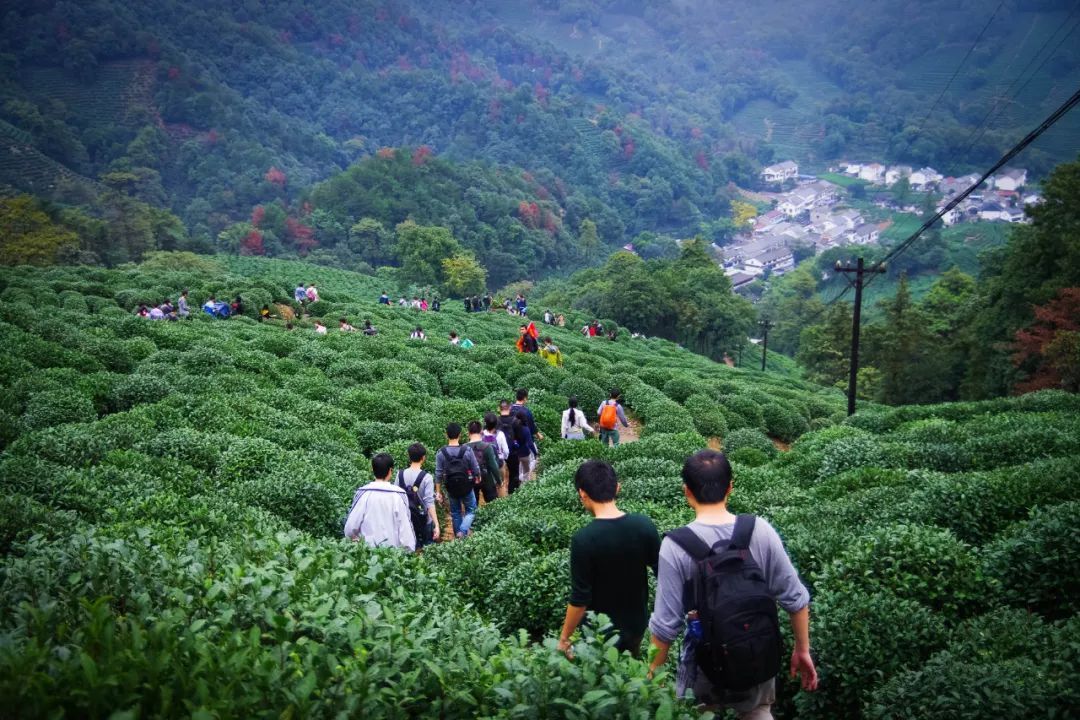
<point>574,424</point>
<point>380,510</point>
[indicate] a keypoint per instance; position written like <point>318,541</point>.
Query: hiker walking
<point>610,560</point>
<point>497,439</point>
<point>236,307</point>
<point>728,664</point>
<point>380,510</point>
<point>550,352</point>
<point>528,434</point>
<point>417,334</point>
<point>384,299</point>
<point>488,461</point>
<point>264,313</point>
<point>526,342</point>
<point>419,486</point>
<point>457,472</point>
<point>610,414</point>
<point>510,426</point>
<point>312,293</point>
<point>574,424</point>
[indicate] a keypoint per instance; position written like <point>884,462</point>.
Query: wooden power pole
<point>765,325</point>
<point>859,271</point>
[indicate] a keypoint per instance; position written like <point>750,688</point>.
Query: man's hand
<point>435,532</point>
<point>566,648</point>
<point>539,435</point>
<point>803,666</point>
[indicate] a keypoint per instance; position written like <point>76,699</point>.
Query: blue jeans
<point>462,506</point>
<point>608,437</point>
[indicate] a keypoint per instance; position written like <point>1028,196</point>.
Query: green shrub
<point>741,411</point>
<point>680,387</point>
<point>783,423</point>
<point>928,565</point>
<point>709,418</point>
<point>248,459</point>
<point>855,652</point>
<point>1037,563</point>
<point>748,456</point>
<point>58,407</point>
<point>749,438</point>
<point>138,389</point>
<point>475,565</point>
<point>588,393</point>
<point>472,384</point>
<point>291,496</point>
<point>532,595</point>
<point>197,449</point>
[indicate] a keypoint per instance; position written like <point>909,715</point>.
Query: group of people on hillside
<point>306,294</point>
<point>551,318</point>
<point>500,453</point>
<point>719,579</point>
<point>529,341</point>
<point>166,310</point>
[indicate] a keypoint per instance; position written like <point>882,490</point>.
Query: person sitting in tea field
<point>402,302</point>
<point>417,334</point>
<point>454,339</point>
<point>419,485</point>
<point>725,664</point>
<point>300,293</point>
<point>380,510</point>
<point>312,293</point>
<point>384,299</point>
<point>264,313</point>
<point>156,313</point>
<point>344,326</point>
<point>237,306</point>
<point>610,560</point>
<point>143,311</point>
<point>182,308</point>
<point>574,423</point>
<point>369,329</point>
<point>457,472</point>
<point>320,328</point>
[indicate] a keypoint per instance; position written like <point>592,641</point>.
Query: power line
<point>1016,150</point>
<point>991,114</point>
<point>922,123</point>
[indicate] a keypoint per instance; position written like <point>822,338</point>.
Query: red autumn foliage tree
<point>275,177</point>
<point>628,148</point>
<point>529,213</point>
<point>257,215</point>
<point>252,244</point>
<point>551,222</point>
<point>386,153</point>
<point>702,160</point>
<point>1047,349</point>
<point>302,235</point>
<point>421,155</point>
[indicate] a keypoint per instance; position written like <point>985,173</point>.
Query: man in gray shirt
<point>707,485</point>
<point>425,489</point>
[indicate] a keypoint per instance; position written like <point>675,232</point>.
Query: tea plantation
<point>173,495</point>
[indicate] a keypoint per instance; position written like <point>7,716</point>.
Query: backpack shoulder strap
<point>744,529</point>
<point>401,479</point>
<point>420,477</point>
<point>689,541</point>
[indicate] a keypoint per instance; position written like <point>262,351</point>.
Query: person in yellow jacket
<point>550,352</point>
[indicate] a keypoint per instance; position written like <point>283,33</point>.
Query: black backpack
<point>479,449</point>
<point>740,639</point>
<point>506,425</point>
<point>417,511</point>
<point>457,473</point>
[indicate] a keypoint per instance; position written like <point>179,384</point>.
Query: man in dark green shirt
<point>609,561</point>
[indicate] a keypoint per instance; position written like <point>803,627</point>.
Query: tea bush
<point>173,495</point>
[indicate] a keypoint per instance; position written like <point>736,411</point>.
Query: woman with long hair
<point>574,424</point>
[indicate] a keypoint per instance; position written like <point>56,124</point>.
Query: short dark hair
<point>521,394</point>
<point>474,427</point>
<point>616,393</point>
<point>597,479</point>
<point>707,474</point>
<point>504,405</point>
<point>417,452</point>
<point>453,431</point>
<point>491,421</point>
<point>382,464</point>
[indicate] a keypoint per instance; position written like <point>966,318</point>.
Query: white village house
<point>780,172</point>
<point>1010,179</point>
<point>893,174</point>
<point>873,173</point>
<point>925,177</point>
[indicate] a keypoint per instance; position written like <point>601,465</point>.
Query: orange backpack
<point>609,416</point>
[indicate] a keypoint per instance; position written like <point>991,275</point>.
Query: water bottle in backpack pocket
<point>739,644</point>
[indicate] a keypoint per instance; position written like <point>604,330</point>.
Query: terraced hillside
<point>174,493</point>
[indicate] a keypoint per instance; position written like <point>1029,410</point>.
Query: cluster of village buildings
<point>812,215</point>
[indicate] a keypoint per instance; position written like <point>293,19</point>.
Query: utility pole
<point>859,271</point>
<point>765,324</point>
